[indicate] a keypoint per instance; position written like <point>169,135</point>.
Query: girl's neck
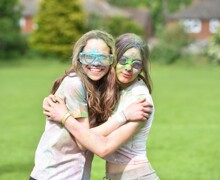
<point>124,85</point>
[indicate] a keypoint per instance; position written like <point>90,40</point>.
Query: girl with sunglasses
<point>125,148</point>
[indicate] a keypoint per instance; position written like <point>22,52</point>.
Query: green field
<point>184,142</point>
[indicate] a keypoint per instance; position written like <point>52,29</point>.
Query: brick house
<point>201,19</point>
<point>29,9</point>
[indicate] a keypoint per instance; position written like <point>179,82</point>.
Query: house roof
<point>203,9</point>
<point>102,8</point>
<point>30,7</point>
<point>140,15</point>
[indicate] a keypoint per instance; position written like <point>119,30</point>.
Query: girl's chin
<point>95,77</point>
<point>124,80</point>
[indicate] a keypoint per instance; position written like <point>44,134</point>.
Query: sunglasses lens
<point>137,64</point>
<point>122,60</point>
<point>106,60</point>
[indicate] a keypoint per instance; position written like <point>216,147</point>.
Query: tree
<point>158,8</point>
<point>161,8</point>
<point>59,25</point>
<point>126,25</point>
<point>126,3</point>
<point>110,25</point>
<point>213,50</point>
<point>11,40</point>
<point>170,43</point>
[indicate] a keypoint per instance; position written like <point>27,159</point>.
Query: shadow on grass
<point>11,168</point>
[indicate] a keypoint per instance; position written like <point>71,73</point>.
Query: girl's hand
<point>54,108</point>
<point>140,110</point>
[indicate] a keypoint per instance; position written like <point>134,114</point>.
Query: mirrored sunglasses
<point>135,63</point>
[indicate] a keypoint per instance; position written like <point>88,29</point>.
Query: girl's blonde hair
<point>102,94</point>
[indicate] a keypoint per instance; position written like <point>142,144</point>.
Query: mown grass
<point>184,140</point>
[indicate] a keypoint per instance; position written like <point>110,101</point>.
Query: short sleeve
<point>140,92</point>
<point>76,97</point>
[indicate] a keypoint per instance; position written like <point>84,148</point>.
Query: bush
<point>111,25</point>
<point>59,25</point>
<point>126,26</point>
<point>165,53</point>
<point>12,43</point>
<point>213,50</point>
<point>171,40</point>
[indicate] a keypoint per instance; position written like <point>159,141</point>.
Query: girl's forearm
<point>108,127</point>
<point>89,139</point>
<point>98,144</point>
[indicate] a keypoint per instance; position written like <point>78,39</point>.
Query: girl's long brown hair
<point>131,40</point>
<point>102,95</point>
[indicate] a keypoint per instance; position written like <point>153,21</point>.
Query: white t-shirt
<point>134,150</point>
<point>58,156</point>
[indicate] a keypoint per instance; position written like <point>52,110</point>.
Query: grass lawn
<point>184,140</point>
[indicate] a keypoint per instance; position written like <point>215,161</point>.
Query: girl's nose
<point>128,67</point>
